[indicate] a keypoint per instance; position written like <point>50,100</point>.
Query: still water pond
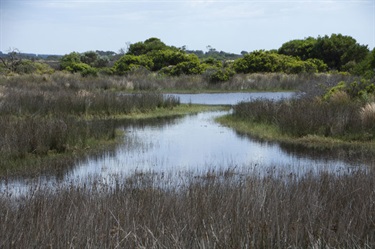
<point>197,143</point>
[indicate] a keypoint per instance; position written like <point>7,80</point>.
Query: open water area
<point>193,145</point>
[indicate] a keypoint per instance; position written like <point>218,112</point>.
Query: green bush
<point>130,62</point>
<point>82,68</point>
<point>362,89</point>
<point>270,62</point>
<point>217,75</point>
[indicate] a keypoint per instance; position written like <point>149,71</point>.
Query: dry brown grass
<point>212,211</point>
<point>367,115</point>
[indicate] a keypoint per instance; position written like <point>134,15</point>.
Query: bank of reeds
<point>216,210</point>
<point>349,120</point>
<point>41,116</point>
<point>144,80</point>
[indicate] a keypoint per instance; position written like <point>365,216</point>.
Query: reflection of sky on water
<point>193,143</point>
<point>228,98</point>
<point>197,142</point>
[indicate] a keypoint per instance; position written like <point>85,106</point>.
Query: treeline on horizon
<point>310,55</point>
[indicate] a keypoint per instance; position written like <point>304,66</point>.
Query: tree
<point>300,48</point>
<point>149,45</point>
<point>338,50</point>
<point>72,63</point>
<point>89,57</point>
<point>165,58</point>
<point>12,60</point>
<point>69,59</point>
<point>130,62</point>
<point>266,61</point>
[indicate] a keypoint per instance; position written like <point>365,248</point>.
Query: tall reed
<point>42,115</point>
<point>206,211</point>
<point>305,116</point>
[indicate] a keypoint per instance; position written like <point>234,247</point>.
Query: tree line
<point>310,55</point>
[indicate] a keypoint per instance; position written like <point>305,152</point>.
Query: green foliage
<point>299,48</point>
<point>366,67</point>
<point>362,89</point>
<point>217,75</point>
<point>165,58</point>
<point>69,59</point>
<point>131,62</point>
<point>269,62</point>
<point>258,61</point>
<point>149,45</point>
<point>82,68</point>
<point>337,50</point>
<point>187,68</point>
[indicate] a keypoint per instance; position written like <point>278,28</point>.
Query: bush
<point>130,62</point>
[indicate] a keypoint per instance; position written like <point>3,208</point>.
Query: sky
<point>64,26</point>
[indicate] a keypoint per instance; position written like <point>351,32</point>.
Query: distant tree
<point>301,48</point>
<point>165,58</point>
<point>89,57</point>
<point>266,61</point>
<point>243,52</point>
<point>69,59</point>
<point>72,63</point>
<point>12,60</point>
<point>149,45</point>
<point>366,67</point>
<point>338,50</point>
<point>131,62</point>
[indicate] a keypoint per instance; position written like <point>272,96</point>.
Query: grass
<point>271,132</point>
<point>213,210</point>
<point>146,210</point>
<point>49,121</point>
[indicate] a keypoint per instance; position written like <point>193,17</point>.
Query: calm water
<point>197,143</point>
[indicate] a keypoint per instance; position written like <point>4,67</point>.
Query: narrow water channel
<point>195,143</point>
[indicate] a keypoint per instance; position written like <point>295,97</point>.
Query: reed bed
<point>55,114</point>
<point>143,80</point>
<point>212,210</point>
<point>305,116</point>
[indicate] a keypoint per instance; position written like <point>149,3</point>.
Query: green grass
<point>271,132</point>
<point>180,110</point>
<point>53,162</point>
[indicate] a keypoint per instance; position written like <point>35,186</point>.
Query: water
<point>194,143</point>
<point>228,98</point>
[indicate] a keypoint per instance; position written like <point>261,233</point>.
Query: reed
<point>54,114</point>
<point>213,210</point>
<point>305,116</point>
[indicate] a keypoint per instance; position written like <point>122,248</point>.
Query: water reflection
<point>197,142</point>
<point>194,143</point>
<point>229,98</point>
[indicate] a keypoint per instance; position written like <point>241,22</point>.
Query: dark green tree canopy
<point>149,45</point>
<point>300,48</point>
<point>338,51</point>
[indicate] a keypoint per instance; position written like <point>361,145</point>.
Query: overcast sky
<point>64,26</point>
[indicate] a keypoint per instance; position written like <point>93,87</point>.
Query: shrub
<point>367,114</point>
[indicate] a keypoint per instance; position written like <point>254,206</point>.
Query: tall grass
<point>40,115</point>
<point>216,210</point>
<point>143,80</point>
<point>305,116</point>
